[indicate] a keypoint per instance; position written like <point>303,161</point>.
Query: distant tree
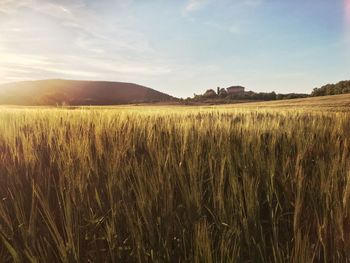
<point>291,96</point>
<point>263,96</point>
<point>222,93</point>
<point>210,93</point>
<point>341,87</point>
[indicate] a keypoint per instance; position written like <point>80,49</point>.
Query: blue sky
<point>179,47</point>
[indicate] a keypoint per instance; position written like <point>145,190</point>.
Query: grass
<point>174,184</point>
<point>336,103</point>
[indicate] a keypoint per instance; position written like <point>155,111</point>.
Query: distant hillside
<point>71,92</point>
<point>328,103</point>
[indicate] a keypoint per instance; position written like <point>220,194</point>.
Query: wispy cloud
<point>253,2</point>
<point>37,67</point>
<point>69,39</point>
<point>193,5</point>
<point>233,29</point>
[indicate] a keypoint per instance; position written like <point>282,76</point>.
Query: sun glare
<point>347,11</point>
<point>347,22</point>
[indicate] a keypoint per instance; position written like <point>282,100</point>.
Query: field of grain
<point>174,184</point>
<point>335,103</point>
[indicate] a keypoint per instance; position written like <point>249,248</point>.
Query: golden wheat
<point>174,184</point>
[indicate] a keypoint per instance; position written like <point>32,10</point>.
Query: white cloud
<point>253,2</point>
<point>69,39</point>
<point>193,5</point>
<point>34,66</point>
<point>233,29</point>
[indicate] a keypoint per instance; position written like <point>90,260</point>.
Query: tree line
<point>341,87</point>
<point>250,95</point>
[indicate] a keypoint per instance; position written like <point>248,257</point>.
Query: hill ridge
<point>77,92</point>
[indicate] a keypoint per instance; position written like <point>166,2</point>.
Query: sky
<point>180,47</point>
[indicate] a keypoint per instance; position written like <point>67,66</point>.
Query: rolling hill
<point>72,92</point>
<point>328,103</point>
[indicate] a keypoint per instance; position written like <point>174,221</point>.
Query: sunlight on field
<point>179,184</point>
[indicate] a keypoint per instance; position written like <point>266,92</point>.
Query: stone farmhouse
<point>235,90</point>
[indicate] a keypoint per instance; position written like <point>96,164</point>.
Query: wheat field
<point>174,184</point>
